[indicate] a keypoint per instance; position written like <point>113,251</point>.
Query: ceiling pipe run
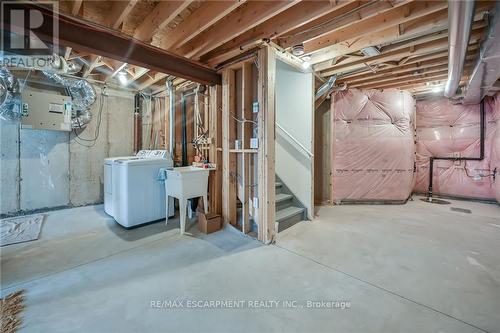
<point>487,68</point>
<point>460,18</point>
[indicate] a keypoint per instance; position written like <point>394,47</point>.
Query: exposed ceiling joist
<point>407,77</point>
<point>440,44</point>
<point>286,21</point>
<point>91,64</point>
<point>118,12</point>
<point>389,18</point>
<point>162,14</point>
<point>408,68</point>
<point>357,11</point>
<point>245,17</point>
<point>106,42</point>
<point>209,13</point>
<point>150,81</point>
<point>76,6</point>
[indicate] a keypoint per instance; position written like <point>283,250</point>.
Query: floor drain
<point>461,210</point>
<point>436,201</point>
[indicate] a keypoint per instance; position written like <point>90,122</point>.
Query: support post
<point>229,179</point>
<point>215,134</point>
<point>266,153</point>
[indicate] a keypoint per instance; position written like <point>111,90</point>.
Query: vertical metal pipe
<point>482,123</point>
<point>137,123</point>
<point>171,117</point>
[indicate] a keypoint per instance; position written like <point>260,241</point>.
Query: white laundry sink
<point>186,183</point>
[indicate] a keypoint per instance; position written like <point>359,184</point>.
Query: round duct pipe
<point>460,18</point>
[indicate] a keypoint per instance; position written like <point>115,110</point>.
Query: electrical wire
<point>93,141</point>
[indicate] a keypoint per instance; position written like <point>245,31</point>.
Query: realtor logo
<point>24,25</point>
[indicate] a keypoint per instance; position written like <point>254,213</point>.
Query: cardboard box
<point>208,223</point>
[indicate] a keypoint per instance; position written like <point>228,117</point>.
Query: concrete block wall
<point>46,169</point>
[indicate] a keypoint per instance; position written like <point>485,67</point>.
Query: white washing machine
<point>138,194</point>
<point>108,182</point>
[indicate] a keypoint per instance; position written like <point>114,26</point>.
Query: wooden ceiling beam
<point>76,5</point>
<point>425,25</point>
<point>354,12</point>
<point>138,73</point>
<point>163,13</point>
<point>209,13</point>
<point>385,20</point>
<point>243,18</point>
<point>403,85</point>
<point>90,65</point>
<point>284,22</point>
<point>408,68</point>
<point>399,77</point>
<point>428,24</point>
<point>440,44</point>
<point>118,12</point>
<point>96,39</point>
<point>442,70</point>
<point>150,81</point>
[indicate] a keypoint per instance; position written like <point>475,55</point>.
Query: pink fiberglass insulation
<point>373,150</point>
<point>495,150</point>
<point>445,129</point>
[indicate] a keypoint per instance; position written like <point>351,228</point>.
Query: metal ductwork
<point>326,87</point>
<point>9,96</point>
<point>487,68</point>
<point>82,96</point>
<point>460,18</point>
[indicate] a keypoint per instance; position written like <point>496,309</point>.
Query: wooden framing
<point>246,107</point>
<point>240,20</point>
<point>267,136</point>
<point>215,153</point>
<point>229,180</point>
<point>333,33</point>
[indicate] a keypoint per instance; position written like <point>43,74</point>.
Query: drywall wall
<point>45,169</point>
<point>294,114</point>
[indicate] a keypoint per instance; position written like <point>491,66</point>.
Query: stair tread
<point>288,212</point>
<point>280,197</point>
<point>278,184</point>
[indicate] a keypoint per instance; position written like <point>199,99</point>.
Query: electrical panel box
<point>47,111</point>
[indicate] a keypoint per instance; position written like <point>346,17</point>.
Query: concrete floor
<point>411,268</point>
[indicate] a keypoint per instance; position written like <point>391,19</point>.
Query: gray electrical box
<point>48,111</point>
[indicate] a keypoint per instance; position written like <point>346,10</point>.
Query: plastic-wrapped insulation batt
<point>373,148</point>
<point>9,96</point>
<point>495,150</point>
<point>82,96</point>
<point>445,129</point>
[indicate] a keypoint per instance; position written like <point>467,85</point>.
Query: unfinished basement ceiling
<point>366,44</point>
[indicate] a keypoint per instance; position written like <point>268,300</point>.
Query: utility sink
<point>186,183</point>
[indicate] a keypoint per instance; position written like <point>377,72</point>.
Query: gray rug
<point>20,229</point>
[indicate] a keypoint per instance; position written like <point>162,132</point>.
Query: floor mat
<point>20,229</point>
<point>11,307</point>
